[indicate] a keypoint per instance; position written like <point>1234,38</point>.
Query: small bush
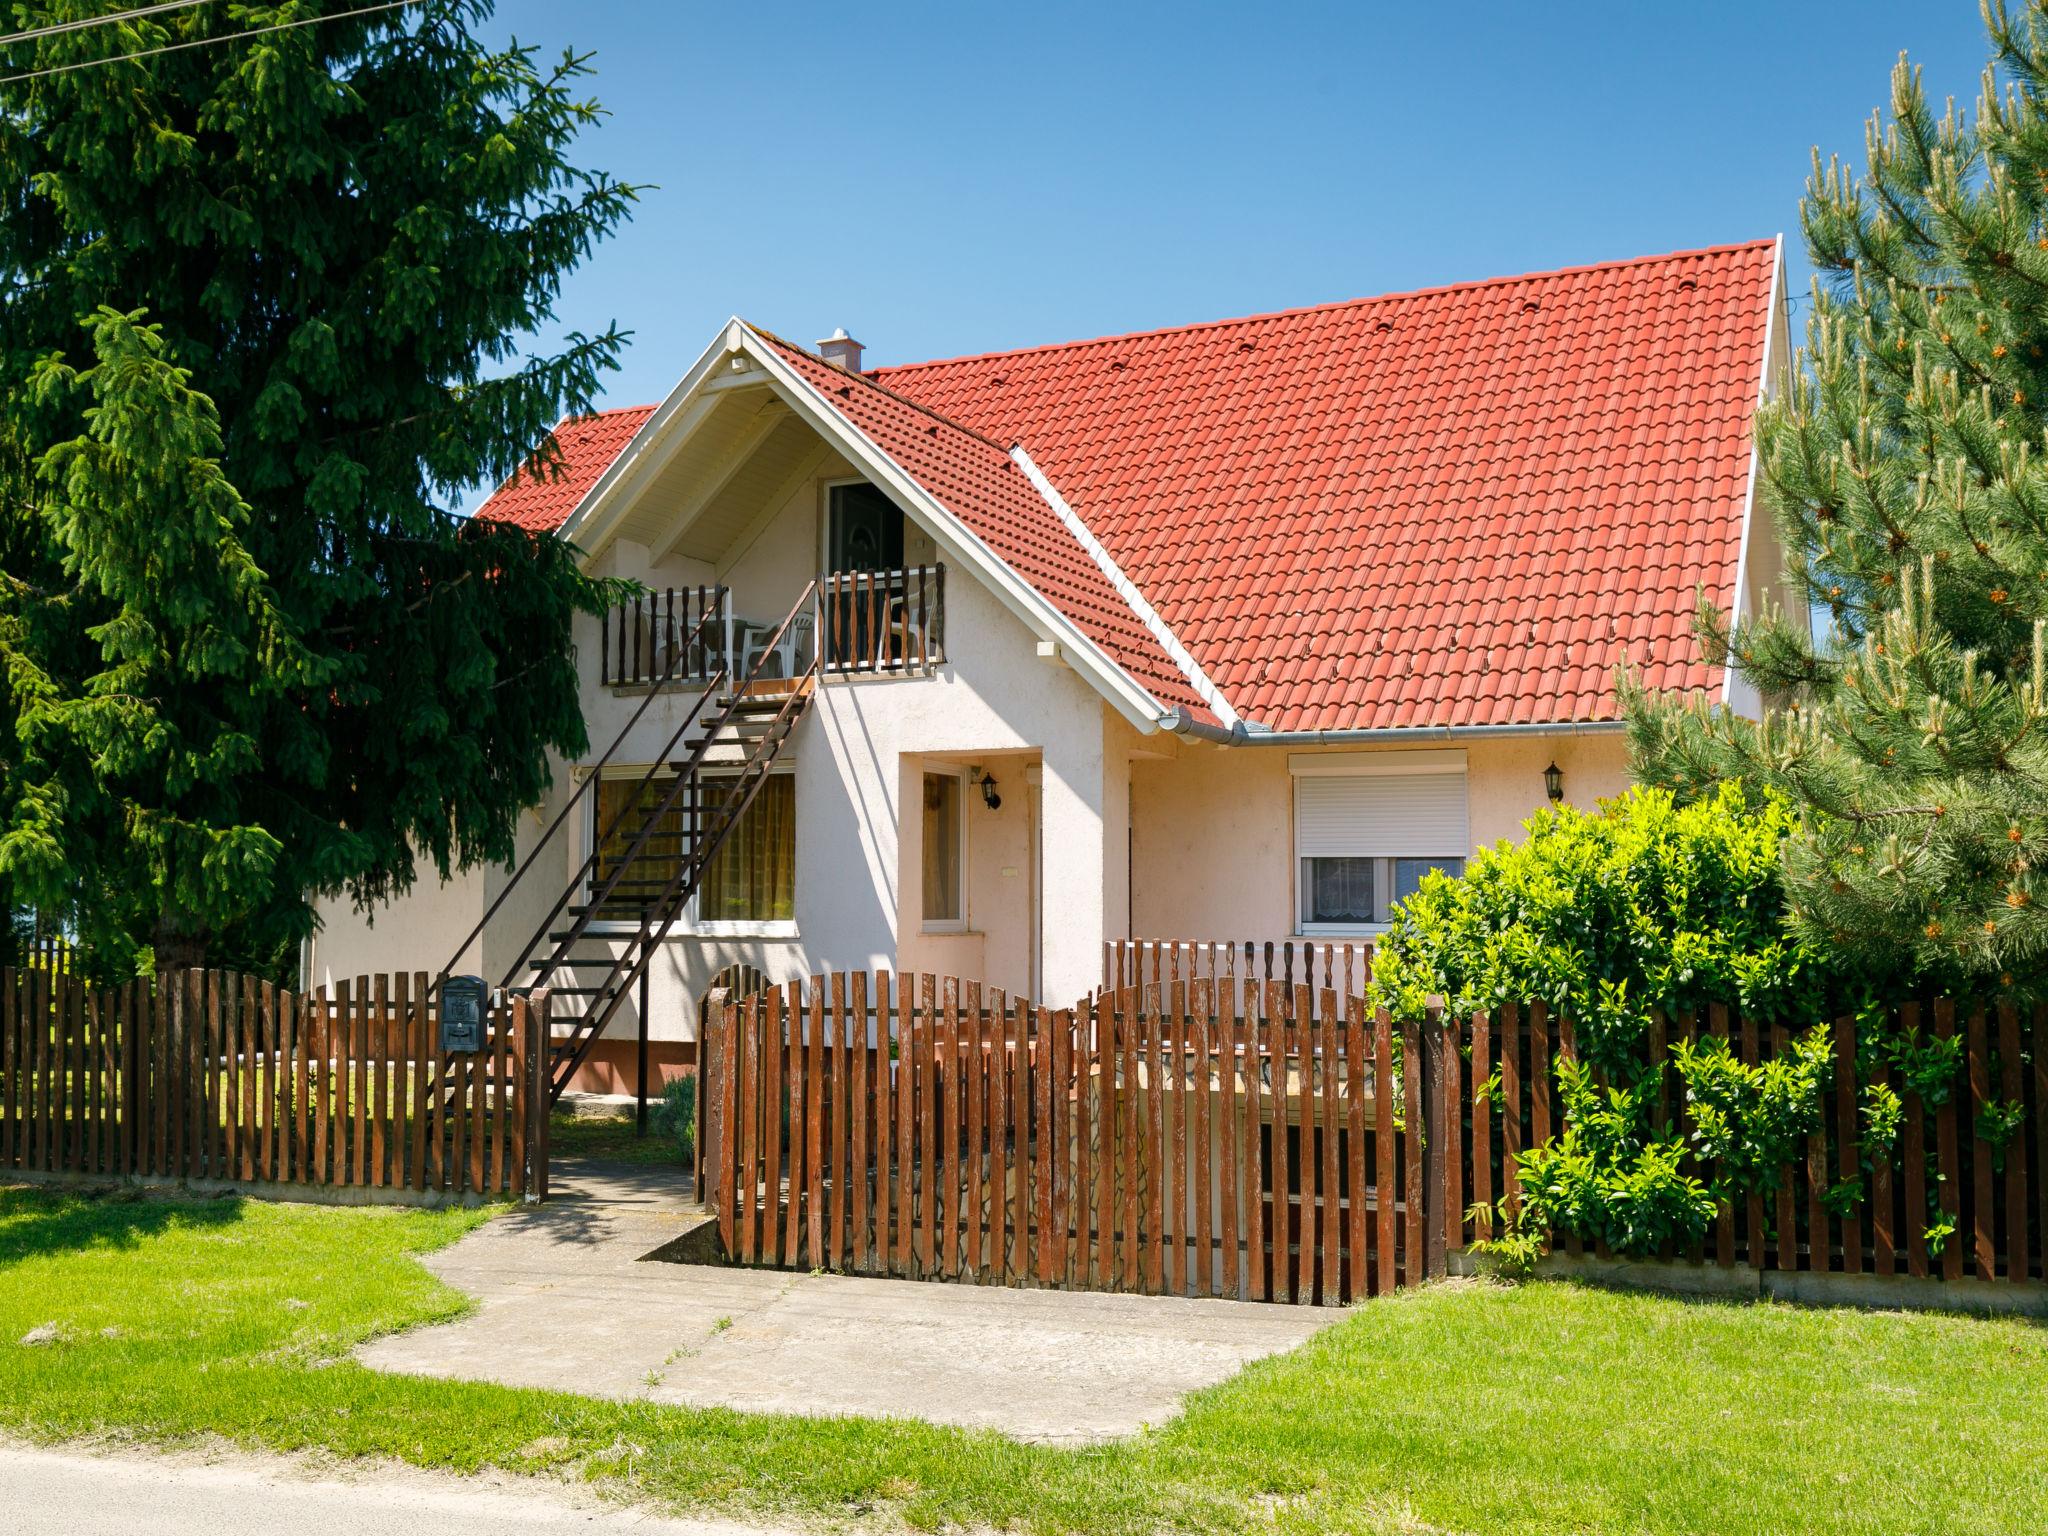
<point>675,1116</point>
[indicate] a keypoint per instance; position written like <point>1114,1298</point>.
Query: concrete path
<point>81,1493</point>
<point>569,1302</point>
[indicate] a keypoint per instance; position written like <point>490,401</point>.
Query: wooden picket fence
<point>1975,1162</point>
<point>1249,1139</point>
<point>215,1077</point>
<point>1344,966</point>
<point>1230,1143</point>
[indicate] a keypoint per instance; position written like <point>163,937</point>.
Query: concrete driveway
<point>569,1301</point>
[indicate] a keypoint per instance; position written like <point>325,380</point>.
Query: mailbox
<point>463,1001</point>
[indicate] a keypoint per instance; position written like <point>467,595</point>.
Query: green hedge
<point>1605,917</point>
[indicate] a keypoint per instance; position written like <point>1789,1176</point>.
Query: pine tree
<point>261,310</point>
<point>1907,467</point>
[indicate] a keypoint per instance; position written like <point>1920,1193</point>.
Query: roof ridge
<point>608,410</point>
<point>1312,309</point>
<point>901,399</point>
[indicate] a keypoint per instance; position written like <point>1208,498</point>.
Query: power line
<point>206,42</point>
<point>79,25</point>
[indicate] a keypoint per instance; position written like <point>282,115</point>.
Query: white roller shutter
<point>1381,815</point>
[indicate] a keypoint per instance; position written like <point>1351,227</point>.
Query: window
<point>751,879</point>
<point>654,868</point>
<point>945,826</point>
<point>1368,827</point>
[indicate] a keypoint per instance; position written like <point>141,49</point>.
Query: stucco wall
<point>1213,831</point>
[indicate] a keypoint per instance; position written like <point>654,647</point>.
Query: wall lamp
<point>1553,783</point>
<point>989,797</point>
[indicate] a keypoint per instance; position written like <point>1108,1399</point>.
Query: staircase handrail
<point>684,774</point>
<point>663,759</point>
<point>680,655</point>
<point>612,990</point>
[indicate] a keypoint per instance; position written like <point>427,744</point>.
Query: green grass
<point>610,1137</point>
<point>1463,1408</point>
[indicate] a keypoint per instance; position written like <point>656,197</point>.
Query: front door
<point>863,533</point>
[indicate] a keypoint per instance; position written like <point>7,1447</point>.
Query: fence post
<point>712,1031</point>
<point>1437,1126</point>
<point>538,1043</point>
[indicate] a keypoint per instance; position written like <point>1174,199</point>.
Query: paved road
<point>82,1494</point>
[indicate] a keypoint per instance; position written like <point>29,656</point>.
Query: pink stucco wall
<point>1212,853</point>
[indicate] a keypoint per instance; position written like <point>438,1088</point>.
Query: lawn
<point>1456,1408</point>
<point>610,1137</point>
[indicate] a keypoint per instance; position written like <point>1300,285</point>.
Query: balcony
<point>869,623</point>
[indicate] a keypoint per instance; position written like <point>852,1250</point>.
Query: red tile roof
<point>976,480</point>
<point>1461,506</point>
<point>543,498</point>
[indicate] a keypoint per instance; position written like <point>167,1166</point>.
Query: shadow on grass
<point>35,1222</point>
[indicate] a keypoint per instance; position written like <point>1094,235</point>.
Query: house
<point>1227,631</point>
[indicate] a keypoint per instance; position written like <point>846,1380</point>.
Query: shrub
<point>675,1116</point>
<point>1607,917</point>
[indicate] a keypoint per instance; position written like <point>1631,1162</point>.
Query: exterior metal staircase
<point>605,927</point>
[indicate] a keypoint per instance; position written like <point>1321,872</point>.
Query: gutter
<point>1180,723</point>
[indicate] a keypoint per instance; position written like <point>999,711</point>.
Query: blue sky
<point>961,177</point>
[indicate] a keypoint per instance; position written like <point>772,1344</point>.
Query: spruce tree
<point>1907,467</point>
<point>262,308</point>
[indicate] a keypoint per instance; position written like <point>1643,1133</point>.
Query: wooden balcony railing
<point>639,638</point>
<point>863,622</point>
<point>883,621</point>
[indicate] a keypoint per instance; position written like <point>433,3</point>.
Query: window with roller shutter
<point>1368,827</point>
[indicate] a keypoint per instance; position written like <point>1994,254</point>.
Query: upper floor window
<point>1368,827</point>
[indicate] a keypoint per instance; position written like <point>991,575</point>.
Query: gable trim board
<point>1730,682</point>
<point>1127,589</point>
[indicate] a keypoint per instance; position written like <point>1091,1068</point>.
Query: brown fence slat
<point>1155,1144</point>
<point>1982,1209</point>
<point>1884,1251</point>
<point>2012,1090</point>
<point>1948,1157</point>
<point>1411,1140</point>
<point>1913,1136</point>
<point>1304,1180</point>
<point>1480,1102</point>
<point>926,1153</point>
<point>951,1075</point>
<point>1019,1070</point>
<point>1219,1125</point>
<point>1129,1106</point>
<point>858,1109</point>
<point>1252,1214</point>
<point>1356,1271</point>
<point>2039,1039</point>
<point>996,1117</point>
<point>1329,1214</point>
<point>1848,1164</point>
<point>885,1124</point>
<point>973,1079</point>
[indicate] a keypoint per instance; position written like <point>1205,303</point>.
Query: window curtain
<point>659,858</point>
<point>753,877</point>
<point>942,848</point>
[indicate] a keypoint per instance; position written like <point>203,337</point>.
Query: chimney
<point>841,351</point>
